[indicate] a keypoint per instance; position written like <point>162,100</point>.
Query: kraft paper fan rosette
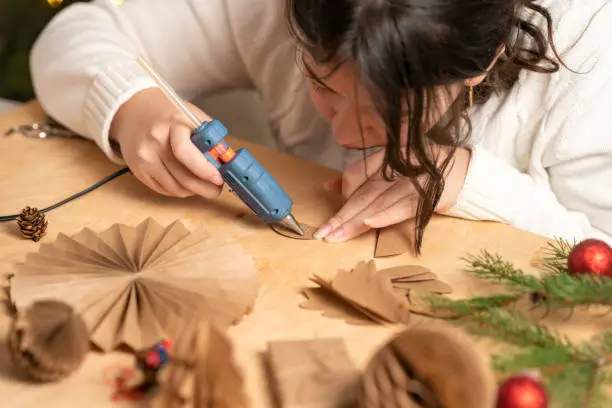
<point>135,286</point>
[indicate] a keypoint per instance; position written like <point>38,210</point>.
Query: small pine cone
<point>437,366</point>
<point>32,223</point>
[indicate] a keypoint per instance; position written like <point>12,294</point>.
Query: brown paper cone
<point>138,285</point>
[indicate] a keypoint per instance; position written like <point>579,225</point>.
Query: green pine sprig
<point>492,267</point>
<point>556,289</point>
<point>557,252</point>
<point>577,375</point>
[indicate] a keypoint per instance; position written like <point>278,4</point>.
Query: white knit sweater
<point>542,155</point>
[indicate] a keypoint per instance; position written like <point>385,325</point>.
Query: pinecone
<point>32,223</point>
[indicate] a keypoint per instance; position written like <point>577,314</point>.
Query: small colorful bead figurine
<point>148,363</point>
<point>151,360</point>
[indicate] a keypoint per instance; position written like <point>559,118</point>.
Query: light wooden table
<point>41,172</point>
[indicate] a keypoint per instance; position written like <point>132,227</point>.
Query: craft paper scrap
<point>135,286</point>
<point>405,278</point>
<point>394,240</point>
<point>312,373</point>
<point>309,231</point>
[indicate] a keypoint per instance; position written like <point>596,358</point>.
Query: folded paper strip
<point>135,286</point>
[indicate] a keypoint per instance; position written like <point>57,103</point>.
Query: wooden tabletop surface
<point>39,172</point>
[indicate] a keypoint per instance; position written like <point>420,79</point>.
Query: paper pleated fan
<point>135,286</point>
<point>201,371</point>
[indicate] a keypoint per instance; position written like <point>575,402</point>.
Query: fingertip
<point>193,159</point>
<point>322,232</point>
<point>337,236</point>
<point>370,222</point>
<point>217,179</point>
<point>333,186</point>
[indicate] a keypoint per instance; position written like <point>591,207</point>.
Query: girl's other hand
<point>372,202</point>
<point>154,139</point>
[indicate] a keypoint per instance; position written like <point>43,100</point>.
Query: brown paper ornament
<point>47,341</point>
<point>429,366</point>
<point>201,371</point>
<point>136,286</point>
<point>365,295</point>
<point>32,224</point>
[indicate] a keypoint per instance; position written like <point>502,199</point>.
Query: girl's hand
<point>372,202</point>
<point>155,143</point>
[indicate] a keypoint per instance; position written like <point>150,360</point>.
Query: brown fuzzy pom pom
<point>47,341</point>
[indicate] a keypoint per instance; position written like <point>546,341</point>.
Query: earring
<point>470,96</point>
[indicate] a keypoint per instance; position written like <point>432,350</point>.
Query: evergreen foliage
<point>577,374</point>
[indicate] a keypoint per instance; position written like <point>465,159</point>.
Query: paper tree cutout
<point>201,371</point>
<point>364,290</point>
<point>365,295</point>
<point>135,286</point>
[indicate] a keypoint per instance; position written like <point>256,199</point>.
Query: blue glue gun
<point>239,169</point>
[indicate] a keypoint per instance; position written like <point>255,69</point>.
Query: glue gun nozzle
<point>291,224</point>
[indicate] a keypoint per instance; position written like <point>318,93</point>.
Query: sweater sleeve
<point>571,197</point>
<point>576,205</point>
<point>83,64</point>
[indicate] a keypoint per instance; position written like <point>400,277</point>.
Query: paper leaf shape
<point>313,373</point>
<point>367,291</point>
<point>415,277</point>
<point>135,286</point>
<point>309,231</point>
<point>201,371</point>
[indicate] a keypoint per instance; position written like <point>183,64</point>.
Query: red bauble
<point>591,256</point>
<point>522,391</point>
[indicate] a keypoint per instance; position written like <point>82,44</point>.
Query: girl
<point>487,110</point>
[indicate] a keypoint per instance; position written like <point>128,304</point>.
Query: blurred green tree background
<point>21,21</point>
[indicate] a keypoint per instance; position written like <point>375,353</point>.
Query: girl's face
<point>345,105</point>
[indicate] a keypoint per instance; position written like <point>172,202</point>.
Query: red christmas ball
<point>522,391</point>
<point>591,256</point>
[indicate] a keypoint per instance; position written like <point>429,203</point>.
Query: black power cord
<point>74,196</point>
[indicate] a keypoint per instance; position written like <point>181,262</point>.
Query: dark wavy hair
<point>403,49</point>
